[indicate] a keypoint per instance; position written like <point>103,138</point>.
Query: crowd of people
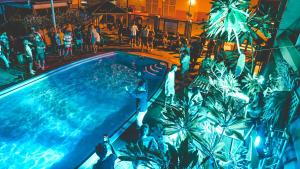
<point>142,36</point>
<point>64,41</point>
<point>31,50</point>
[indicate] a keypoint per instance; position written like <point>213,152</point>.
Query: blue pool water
<point>56,119</point>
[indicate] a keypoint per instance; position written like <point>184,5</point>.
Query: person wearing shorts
<point>68,44</point>
<point>28,56</point>
<point>144,34</point>
<point>2,56</point>
<point>59,43</point>
<point>141,94</point>
<point>133,34</point>
<point>40,52</point>
<point>170,85</point>
<point>79,39</point>
<point>151,37</point>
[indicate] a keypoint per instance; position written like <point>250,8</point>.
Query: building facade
<point>172,8</point>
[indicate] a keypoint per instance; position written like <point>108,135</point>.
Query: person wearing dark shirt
<point>205,66</point>
<point>196,49</point>
<point>141,94</point>
<point>79,39</point>
<point>210,48</point>
<point>120,32</point>
<point>146,142</point>
<point>107,155</point>
<point>139,34</point>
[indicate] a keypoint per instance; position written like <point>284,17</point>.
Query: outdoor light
<point>257,141</point>
<point>192,2</point>
<point>260,79</point>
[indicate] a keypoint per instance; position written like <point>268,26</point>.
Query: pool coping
<point>116,134</point>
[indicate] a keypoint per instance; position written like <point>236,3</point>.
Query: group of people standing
<point>36,42</point>
<point>84,40</point>
<point>32,49</point>
<point>142,36</point>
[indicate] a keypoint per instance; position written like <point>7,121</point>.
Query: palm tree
<point>182,122</point>
<point>182,157</point>
<point>232,18</point>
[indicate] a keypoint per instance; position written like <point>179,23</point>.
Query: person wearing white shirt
<point>170,85</point>
<point>133,30</point>
<point>28,55</point>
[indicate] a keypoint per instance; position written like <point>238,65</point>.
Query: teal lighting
<point>260,79</point>
<point>257,141</point>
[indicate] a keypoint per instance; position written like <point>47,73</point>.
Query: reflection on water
<point>41,123</point>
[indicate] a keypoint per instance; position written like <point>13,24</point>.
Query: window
<point>152,6</point>
<point>169,7</point>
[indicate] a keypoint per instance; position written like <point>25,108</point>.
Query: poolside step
<point>154,70</point>
<point>149,71</point>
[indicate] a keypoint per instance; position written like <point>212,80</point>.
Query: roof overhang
<point>48,5</point>
<point>9,1</point>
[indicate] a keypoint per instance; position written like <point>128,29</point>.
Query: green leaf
<point>221,157</point>
<point>126,158</point>
<point>240,65</point>
<point>237,134</point>
<point>219,147</point>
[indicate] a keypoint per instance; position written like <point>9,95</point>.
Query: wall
<point>199,10</point>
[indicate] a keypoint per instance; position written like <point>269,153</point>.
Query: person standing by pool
<point>68,43</point>
<point>185,64</point>
<point>107,155</point>
<point>144,34</point>
<point>79,39</point>
<point>151,37</point>
<point>145,142</point>
<point>28,55</point>
<point>94,39</point>
<point>141,94</point>
<point>5,45</point>
<point>120,32</point>
<point>40,52</point>
<point>165,39</point>
<point>170,85</point>
<point>59,42</point>
<point>133,30</point>
<point>196,49</point>
<point>2,56</point>
<point>98,41</point>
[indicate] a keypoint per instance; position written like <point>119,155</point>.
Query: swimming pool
<point>56,119</point>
